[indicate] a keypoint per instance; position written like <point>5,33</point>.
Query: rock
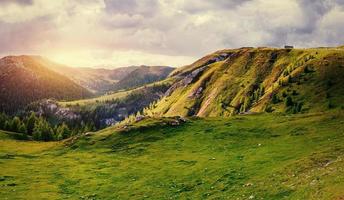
<point>248,184</point>
<point>89,133</point>
<point>175,123</point>
<point>182,119</point>
<point>139,118</point>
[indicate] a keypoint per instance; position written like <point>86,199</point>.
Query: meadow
<point>262,156</point>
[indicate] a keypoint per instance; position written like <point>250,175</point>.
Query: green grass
<point>112,96</point>
<point>257,156</point>
<point>226,85</point>
<point>102,98</point>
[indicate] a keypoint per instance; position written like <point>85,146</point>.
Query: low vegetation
<point>265,156</point>
<point>249,80</point>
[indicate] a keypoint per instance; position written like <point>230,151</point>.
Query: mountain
<point>97,80</point>
<point>249,80</point>
<point>24,79</point>
<point>101,80</point>
<point>142,76</point>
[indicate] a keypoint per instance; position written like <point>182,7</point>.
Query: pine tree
<point>22,128</point>
<point>289,101</point>
<point>63,131</point>
<point>7,125</point>
<point>15,124</point>
<point>42,130</point>
<point>3,119</point>
<point>274,98</point>
<point>30,124</point>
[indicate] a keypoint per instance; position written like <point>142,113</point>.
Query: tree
<point>289,101</point>
<point>274,98</point>
<point>15,124</point>
<point>63,132</point>
<point>42,130</point>
<point>22,128</point>
<point>7,125</point>
<point>30,124</point>
<point>3,119</point>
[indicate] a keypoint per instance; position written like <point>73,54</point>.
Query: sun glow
<point>98,58</point>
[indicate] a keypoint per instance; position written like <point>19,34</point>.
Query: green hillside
<point>265,156</point>
<point>245,80</point>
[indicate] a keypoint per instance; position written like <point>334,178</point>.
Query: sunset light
<point>172,99</point>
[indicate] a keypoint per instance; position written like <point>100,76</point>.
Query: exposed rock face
<point>50,107</point>
<point>192,77</point>
<point>189,77</point>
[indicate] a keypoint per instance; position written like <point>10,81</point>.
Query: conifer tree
<point>22,128</point>
<point>63,132</point>
<point>15,124</point>
<point>30,124</point>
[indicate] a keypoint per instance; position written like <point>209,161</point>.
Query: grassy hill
<point>23,80</point>
<point>265,156</point>
<point>244,80</point>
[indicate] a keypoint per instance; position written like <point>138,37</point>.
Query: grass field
<point>266,156</point>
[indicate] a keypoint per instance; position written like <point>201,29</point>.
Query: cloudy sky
<point>114,33</point>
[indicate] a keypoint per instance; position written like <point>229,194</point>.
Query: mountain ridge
<point>23,80</point>
<point>102,80</point>
<point>245,80</point>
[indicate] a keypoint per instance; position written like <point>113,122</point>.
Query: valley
<point>171,100</point>
<point>248,123</point>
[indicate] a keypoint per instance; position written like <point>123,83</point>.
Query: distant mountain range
<point>99,80</point>
<point>24,79</point>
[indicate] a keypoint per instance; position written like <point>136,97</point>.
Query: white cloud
<point>162,31</point>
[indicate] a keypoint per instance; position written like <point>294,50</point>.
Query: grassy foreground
<point>244,157</point>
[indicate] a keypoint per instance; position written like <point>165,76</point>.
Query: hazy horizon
<point>119,33</point>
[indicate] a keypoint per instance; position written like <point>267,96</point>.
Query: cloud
<point>131,7</point>
<point>20,2</point>
<point>166,29</point>
<point>200,6</point>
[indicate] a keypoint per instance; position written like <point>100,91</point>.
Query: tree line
<point>38,128</point>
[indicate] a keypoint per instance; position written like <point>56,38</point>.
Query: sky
<point>117,33</point>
